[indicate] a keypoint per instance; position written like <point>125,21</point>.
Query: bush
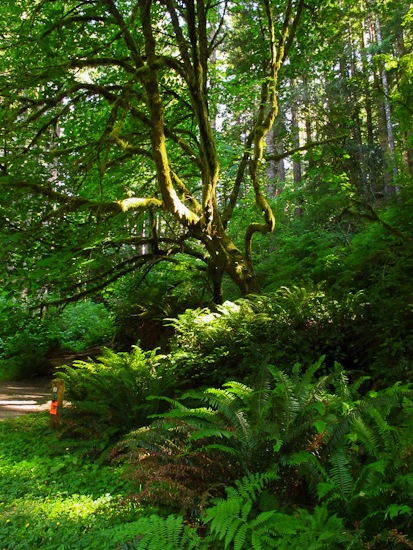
<point>26,339</point>
<point>24,353</point>
<point>322,445</point>
<point>290,325</point>
<point>84,325</point>
<point>114,388</point>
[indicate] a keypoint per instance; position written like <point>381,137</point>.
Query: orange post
<point>56,405</point>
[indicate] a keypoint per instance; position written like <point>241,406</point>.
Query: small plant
<point>114,388</point>
<point>239,523</point>
<point>155,533</point>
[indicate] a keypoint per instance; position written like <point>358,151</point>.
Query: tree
<point>110,160</point>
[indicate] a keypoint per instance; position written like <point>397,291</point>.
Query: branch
<point>293,29</point>
<point>122,269</point>
<point>75,203</point>
<point>129,40</point>
<point>305,147</point>
<point>264,123</point>
<point>171,201</point>
<point>372,215</point>
<point>91,290</point>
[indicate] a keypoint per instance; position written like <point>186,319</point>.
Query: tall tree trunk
<point>280,168</point>
<point>295,130</point>
<point>387,108</point>
<point>371,169</point>
<point>360,178</point>
<point>275,169</point>
<point>307,119</point>
<point>271,166</point>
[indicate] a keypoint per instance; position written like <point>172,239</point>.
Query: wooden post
<point>56,405</point>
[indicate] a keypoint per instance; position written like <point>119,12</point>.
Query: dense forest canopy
<point>109,118</point>
<point>135,133</point>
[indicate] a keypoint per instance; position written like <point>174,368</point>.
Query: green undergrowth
<point>56,493</point>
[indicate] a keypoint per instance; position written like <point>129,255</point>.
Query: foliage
<point>55,493</point>
<point>289,325</point>
<point>238,522</point>
<point>24,344</point>
<point>113,389</point>
<point>27,339</point>
<point>166,291</point>
<point>196,448</point>
<point>84,325</point>
<point>168,474</point>
<point>330,447</point>
<point>154,532</point>
<point>121,163</point>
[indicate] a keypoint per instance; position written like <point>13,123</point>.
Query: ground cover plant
<point>55,493</point>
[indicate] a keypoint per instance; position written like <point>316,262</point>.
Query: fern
<point>155,532</point>
<point>115,387</point>
<point>340,473</point>
<point>229,519</point>
<point>237,523</point>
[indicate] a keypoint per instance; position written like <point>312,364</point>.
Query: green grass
<point>55,493</point>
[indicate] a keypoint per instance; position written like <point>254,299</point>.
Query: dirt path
<point>17,398</point>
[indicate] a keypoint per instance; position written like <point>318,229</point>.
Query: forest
<point>206,231</point>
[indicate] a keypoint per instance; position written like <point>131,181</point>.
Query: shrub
<point>84,325</point>
<point>24,353</point>
<point>114,388</point>
<point>331,448</point>
<point>291,325</point>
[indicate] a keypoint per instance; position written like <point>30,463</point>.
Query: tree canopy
<point>110,140</point>
<point>135,133</point>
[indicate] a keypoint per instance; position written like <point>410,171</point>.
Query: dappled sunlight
<point>50,490</point>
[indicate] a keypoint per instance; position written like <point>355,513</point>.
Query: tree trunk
<point>297,176</point>
<point>227,258</point>
<point>307,120</point>
<point>275,170</point>
<point>387,109</point>
<point>271,168</point>
<point>371,169</point>
<point>215,275</point>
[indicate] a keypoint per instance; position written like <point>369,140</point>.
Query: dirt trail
<point>17,398</point>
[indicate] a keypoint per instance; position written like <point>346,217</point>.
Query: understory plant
<point>240,520</point>
<point>290,325</point>
<point>113,389</point>
<point>84,325</point>
<point>339,459</point>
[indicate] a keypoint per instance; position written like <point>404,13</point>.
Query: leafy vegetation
<point>112,390</point>
<point>55,492</point>
<point>215,241</point>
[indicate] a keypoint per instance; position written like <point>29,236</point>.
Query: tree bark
<point>387,110</point>
<point>295,127</point>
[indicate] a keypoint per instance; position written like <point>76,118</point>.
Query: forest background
<point>227,187</point>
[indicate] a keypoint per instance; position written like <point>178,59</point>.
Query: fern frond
<point>155,532</point>
<point>305,384</point>
<point>370,477</point>
<point>241,391</point>
<point>366,436</point>
<point>286,403</point>
<point>340,472</point>
<point>385,430</point>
